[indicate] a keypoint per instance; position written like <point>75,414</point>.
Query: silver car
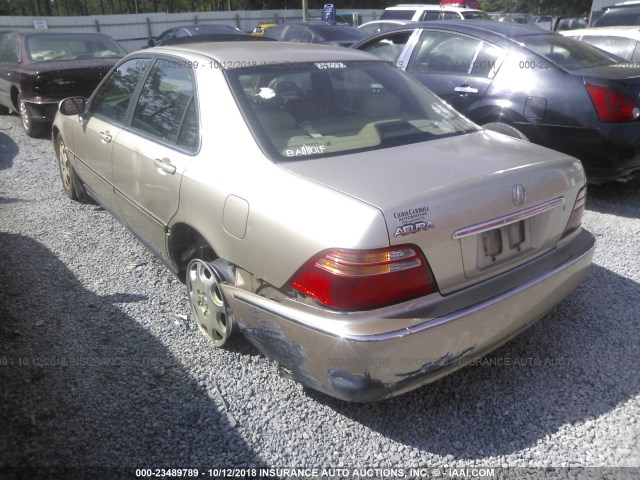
<point>348,222</point>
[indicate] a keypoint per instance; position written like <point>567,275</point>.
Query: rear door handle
<point>106,138</point>
<point>165,165</point>
<point>465,89</point>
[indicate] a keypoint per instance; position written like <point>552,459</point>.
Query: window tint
<point>450,16</point>
<point>307,37</point>
<point>453,54</point>
<point>293,33</point>
<point>482,16</point>
<point>112,99</point>
<point>430,15</point>
<point>9,49</point>
<point>623,47</point>
<point>390,47</point>
<point>166,108</point>
<point>332,108</point>
<point>486,62</point>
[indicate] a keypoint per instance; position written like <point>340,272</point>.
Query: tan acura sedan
<point>348,222</point>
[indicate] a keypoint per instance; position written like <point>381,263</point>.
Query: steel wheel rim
<point>65,169</point>
<point>208,307</point>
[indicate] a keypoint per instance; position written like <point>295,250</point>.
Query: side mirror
<point>72,106</point>
<point>151,43</point>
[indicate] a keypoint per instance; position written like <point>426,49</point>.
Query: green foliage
<point>105,7</point>
<point>537,6</point>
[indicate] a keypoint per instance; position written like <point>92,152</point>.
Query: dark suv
<point>618,15</point>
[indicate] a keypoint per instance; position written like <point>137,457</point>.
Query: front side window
<point>334,108</point>
<point>166,107</point>
<point>453,54</point>
<point>112,99</point>
<point>389,47</point>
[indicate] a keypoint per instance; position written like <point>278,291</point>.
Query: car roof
<point>27,31</point>
<point>316,23</point>
<point>450,8</point>
<point>629,31</point>
<point>243,54</point>
<point>478,27</point>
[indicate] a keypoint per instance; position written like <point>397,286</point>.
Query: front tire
<point>31,128</point>
<point>70,183</point>
<point>506,129</point>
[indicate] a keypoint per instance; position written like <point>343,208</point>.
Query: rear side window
<point>454,54</point>
<point>566,52</point>
<point>166,106</point>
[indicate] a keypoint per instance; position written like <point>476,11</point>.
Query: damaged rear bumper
<point>368,356</point>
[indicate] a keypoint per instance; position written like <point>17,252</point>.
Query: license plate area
<point>502,244</point>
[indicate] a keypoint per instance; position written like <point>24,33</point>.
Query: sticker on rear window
<point>304,150</point>
<point>328,65</point>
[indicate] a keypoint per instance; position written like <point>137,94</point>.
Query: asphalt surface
<point>101,368</point>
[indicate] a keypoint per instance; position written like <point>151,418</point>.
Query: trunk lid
<point>60,79</point>
<point>436,195</point>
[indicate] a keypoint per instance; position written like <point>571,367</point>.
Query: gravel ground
<point>100,366</point>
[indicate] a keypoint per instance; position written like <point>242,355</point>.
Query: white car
<point>424,13</point>
<point>621,41</point>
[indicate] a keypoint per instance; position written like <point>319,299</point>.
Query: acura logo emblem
<point>519,195</point>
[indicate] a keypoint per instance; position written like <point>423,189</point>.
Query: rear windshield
<point>619,17</point>
<point>312,110</point>
<point>42,48</point>
<point>567,53</point>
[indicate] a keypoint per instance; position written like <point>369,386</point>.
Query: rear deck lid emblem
<point>519,195</point>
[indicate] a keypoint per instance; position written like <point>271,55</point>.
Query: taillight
<point>576,214</point>
<point>612,105</point>
<point>365,279</point>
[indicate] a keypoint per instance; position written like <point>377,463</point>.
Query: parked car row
<point>527,83</point>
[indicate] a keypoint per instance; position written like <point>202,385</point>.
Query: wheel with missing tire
<point>209,308</point>
<point>70,183</point>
